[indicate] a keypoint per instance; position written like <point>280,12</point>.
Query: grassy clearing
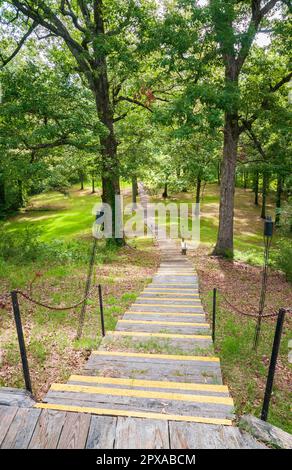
<point>248,226</point>
<point>51,263</point>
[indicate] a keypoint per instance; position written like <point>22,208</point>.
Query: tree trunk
<point>224,245</point>
<point>278,199</point>
<point>93,184</point>
<point>165,192</point>
<point>81,177</point>
<point>110,164</point>
<point>256,188</point>
<point>264,194</point>
<point>134,191</point>
<point>198,189</point>
<point>2,193</point>
<point>219,172</point>
<point>20,194</point>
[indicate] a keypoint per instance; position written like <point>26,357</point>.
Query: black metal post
<point>214,313</point>
<point>101,310</point>
<point>273,363</point>
<point>17,318</point>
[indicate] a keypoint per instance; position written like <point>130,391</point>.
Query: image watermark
<point>164,221</point>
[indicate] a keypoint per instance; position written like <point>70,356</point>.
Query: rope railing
<point>252,315</point>
<point>55,307</point>
<point>280,317</point>
<point>17,317</point>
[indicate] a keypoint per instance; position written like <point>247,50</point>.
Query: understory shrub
<point>283,257</point>
<point>25,246</point>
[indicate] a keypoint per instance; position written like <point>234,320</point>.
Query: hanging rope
<point>253,315</point>
<point>55,307</point>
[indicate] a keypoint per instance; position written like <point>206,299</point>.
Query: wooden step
<point>164,295</point>
<point>185,387</point>
<point>166,308</point>
<point>134,414</point>
<point>157,302</point>
<point>193,344</point>
<point>158,335</point>
<point>185,317</point>
<point>154,357</point>
<point>153,326</point>
<point>145,392</point>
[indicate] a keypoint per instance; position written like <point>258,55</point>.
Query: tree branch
<point>257,14</point>
<point>264,103</point>
<point>71,14</point>
<point>19,45</point>
<point>134,101</point>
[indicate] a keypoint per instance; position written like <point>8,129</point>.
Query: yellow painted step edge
<point>174,299</point>
<point>166,305</point>
<point>150,383</point>
<point>171,323</point>
<point>174,314</point>
<point>124,392</point>
<point>171,289</point>
<point>134,414</point>
<point>169,294</point>
<point>166,284</point>
<point>172,357</point>
<point>169,274</point>
<point>158,335</point>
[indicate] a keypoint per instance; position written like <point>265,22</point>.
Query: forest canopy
<point>179,92</point>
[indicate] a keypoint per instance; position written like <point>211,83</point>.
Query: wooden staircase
<point>181,382</point>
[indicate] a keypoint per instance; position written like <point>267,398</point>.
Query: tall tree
<point>236,25</point>
<point>102,36</point>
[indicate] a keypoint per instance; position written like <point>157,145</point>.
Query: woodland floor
<point>54,353</point>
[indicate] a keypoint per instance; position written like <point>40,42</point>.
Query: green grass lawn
<point>50,261</point>
<point>57,216</point>
<point>248,226</point>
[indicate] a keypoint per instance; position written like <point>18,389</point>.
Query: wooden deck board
<point>21,429</point>
<point>48,430</point>
<point>7,414</point>
<point>102,432</point>
<point>75,431</point>
<point>135,433</point>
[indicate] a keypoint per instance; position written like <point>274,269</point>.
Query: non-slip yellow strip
<point>124,392</point>
<point>168,314</point>
<point>167,305</point>
<point>159,289</point>
<point>133,414</point>
<point>164,284</point>
<point>150,383</point>
<point>169,298</point>
<point>176,273</point>
<point>172,323</point>
<point>169,274</point>
<point>169,294</point>
<point>173,357</point>
<point>158,335</point>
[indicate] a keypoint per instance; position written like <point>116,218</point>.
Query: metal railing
<point>276,343</point>
<point>19,329</point>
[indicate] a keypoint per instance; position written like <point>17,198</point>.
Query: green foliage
<point>283,257</point>
<point>25,246</point>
